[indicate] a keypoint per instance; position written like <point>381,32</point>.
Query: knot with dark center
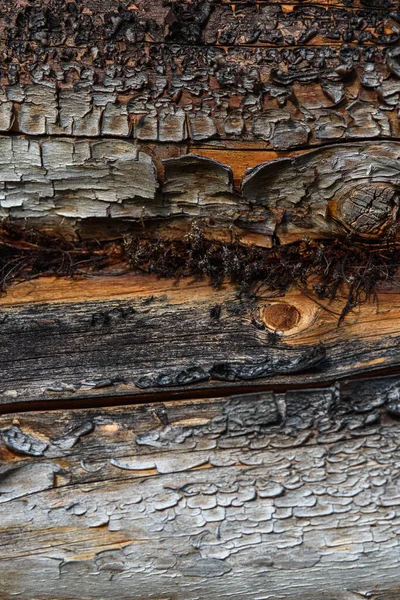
<point>368,210</point>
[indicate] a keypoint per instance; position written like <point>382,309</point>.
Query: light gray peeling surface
<point>60,178</point>
<point>65,183</point>
<point>91,187</point>
<point>240,499</point>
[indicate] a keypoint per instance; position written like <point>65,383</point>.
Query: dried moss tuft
<point>26,253</point>
<point>324,269</point>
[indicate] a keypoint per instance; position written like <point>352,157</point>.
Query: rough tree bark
<point>173,440</point>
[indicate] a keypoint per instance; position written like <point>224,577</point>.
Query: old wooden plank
<point>344,187</point>
<point>267,91</point>
<point>158,336</point>
<point>54,24</point>
<point>267,496</point>
<point>104,188</point>
<point>287,492</point>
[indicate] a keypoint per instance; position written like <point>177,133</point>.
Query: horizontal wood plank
<point>270,495</point>
<point>188,72</point>
<point>105,23</point>
<point>111,337</point>
<point>164,439</point>
<point>102,189</point>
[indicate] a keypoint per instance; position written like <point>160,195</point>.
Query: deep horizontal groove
<point>98,138</point>
<point>348,140</point>
<point>329,44</point>
<point>198,394</point>
<point>193,146</point>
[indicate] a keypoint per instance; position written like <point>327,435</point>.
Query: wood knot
<point>280,316</point>
<point>368,209</point>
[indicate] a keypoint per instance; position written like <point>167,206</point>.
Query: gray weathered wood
<point>329,191</point>
<point>270,495</point>
<point>104,188</point>
<point>142,117</point>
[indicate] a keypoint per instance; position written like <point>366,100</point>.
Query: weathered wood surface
<point>271,495</point>
<point>145,118</point>
<point>108,338</point>
<point>103,188</point>
<point>242,83</point>
<point>278,75</point>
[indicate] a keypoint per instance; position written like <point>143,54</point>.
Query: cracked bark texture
<point>239,83</point>
<point>251,496</point>
<point>168,440</point>
<point>102,188</point>
<point>275,75</point>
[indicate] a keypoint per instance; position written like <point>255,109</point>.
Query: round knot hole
<point>280,316</point>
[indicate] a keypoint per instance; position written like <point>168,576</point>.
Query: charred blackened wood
<point>277,75</point>
<point>77,345</point>
<point>172,137</point>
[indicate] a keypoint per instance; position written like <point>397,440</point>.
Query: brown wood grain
<point>171,440</point>
<point>129,336</point>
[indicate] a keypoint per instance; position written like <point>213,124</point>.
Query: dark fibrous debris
<point>26,253</point>
<point>324,269</point>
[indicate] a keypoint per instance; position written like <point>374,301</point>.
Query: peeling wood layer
<point>57,179</point>
<point>192,108</point>
<point>113,24</point>
<point>287,494</point>
<point>141,118</point>
<point>103,188</point>
<point>161,338</point>
<point>351,188</point>
<point>280,75</point>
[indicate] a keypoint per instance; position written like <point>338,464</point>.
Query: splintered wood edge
<point>240,159</point>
